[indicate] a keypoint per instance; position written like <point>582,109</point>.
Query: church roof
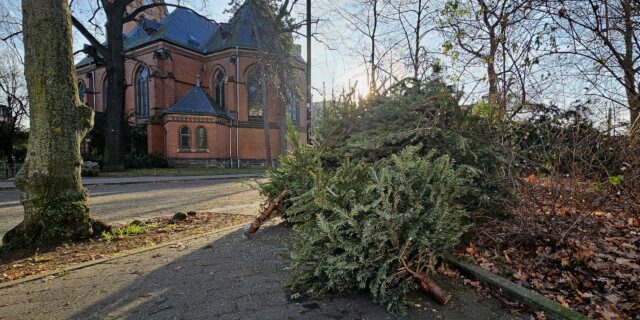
<point>198,102</point>
<point>192,31</point>
<point>181,27</point>
<point>238,32</point>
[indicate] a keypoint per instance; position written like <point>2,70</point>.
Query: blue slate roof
<point>181,27</point>
<point>239,33</point>
<point>192,31</point>
<point>197,102</point>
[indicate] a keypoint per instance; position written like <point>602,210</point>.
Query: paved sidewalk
<point>8,184</point>
<point>215,277</point>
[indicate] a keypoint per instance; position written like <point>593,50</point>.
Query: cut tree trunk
<point>55,203</point>
<point>265,215</point>
<point>427,284</point>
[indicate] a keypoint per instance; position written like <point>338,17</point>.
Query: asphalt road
<point>121,203</point>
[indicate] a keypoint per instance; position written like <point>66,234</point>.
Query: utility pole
<point>308,71</point>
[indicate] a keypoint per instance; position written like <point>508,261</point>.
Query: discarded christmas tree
<point>387,188</point>
<point>379,226</point>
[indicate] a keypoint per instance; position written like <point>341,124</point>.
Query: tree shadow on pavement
<point>235,278</point>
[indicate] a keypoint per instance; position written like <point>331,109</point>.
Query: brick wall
<point>217,137</point>
<point>172,79</point>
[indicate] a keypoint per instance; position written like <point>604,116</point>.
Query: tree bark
<point>7,148</point>
<point>284,102</point>
<point>114,150</point>
<point>427,284</point>
<point>416,54</point>
<point>54,201</point>
<point>265,116</point>
<point>265,214</point>
<point>372,85</point>
<point>634,112</point>
<point>493,77</point>
<point>8,135</point>
<point>633,100</point>
<point>282,132</point>
<point>263,88</point>
<point>633,93</point>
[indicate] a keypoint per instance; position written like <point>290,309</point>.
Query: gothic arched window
<point>201,138</point>
<point>219,88</point>
<point>254,90</point>
<point>142,93</point>
<point>185,138</point>
<point>82,89</point>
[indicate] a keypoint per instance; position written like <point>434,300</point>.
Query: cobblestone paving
<point>215,277</point>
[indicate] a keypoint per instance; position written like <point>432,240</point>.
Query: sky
<point>336,50</point>
<point>334,67</point>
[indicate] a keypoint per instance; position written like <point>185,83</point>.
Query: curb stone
<point>513,290</point>
<point>115,256</point>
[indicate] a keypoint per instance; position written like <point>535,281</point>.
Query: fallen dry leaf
<point>613,298</point>
<point>471,250</point>
<point>595,269</point>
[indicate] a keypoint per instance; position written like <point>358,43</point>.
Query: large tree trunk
<point>55,203</point>
<point>416,54</point>
<point>265,116</point>
<point>284,101</point>
<point>7,138</point>
<point>282,132</point>
<point>630,72</point>
<point>633,100</point>
<point>372,82</point>
<point>263,88</point>
<point>493,82</point>
<point>634,112</point>
<point>7,148</point>
<point>115,124</point>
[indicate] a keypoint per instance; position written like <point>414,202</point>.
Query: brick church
<point>195,85</point>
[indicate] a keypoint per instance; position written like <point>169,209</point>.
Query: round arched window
<point>254,90</point>
<point>201,138</point>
